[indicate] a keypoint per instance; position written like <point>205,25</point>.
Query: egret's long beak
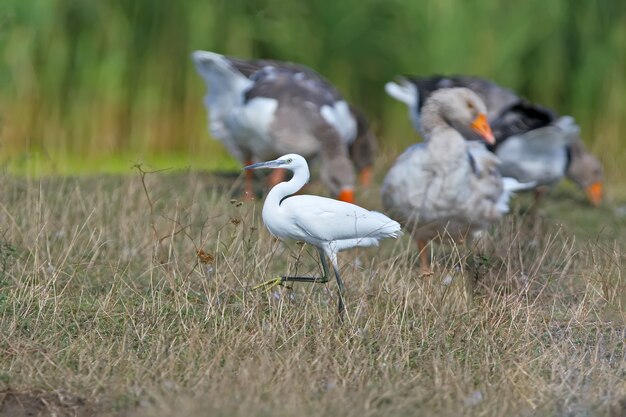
<point>481,126</point>
<point>594,193</point>
<point>269,164</point>
<point>347,195</point>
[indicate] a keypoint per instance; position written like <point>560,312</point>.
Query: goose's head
<point>337,175</point>
<point>459,108</point>
<point>586,171</point>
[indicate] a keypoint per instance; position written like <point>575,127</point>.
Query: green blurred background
<point>94,85</point>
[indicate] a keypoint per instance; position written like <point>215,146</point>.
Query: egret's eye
<point>289,160</point>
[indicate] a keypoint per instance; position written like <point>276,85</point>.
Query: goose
<point>447,187</point>
<point>364,146</point>
<point>532,141</point>
<point>329,225</point>
<point>261,109</point>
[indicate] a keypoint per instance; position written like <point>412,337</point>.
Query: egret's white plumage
<point>329,225</point>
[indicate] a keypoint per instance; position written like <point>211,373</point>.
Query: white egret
<point>329,225</point>
<point>532,142</point>
<point>448,187</point>
<point>261,109</point>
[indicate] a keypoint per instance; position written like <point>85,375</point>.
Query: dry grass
<point>115,304</point>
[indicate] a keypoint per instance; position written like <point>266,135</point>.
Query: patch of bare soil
<point>43,404</point>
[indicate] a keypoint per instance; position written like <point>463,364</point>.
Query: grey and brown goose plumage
<point>261,109</point>
<point>448,187</point>
<point>532,141</point>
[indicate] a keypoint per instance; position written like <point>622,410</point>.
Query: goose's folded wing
<point>519,118</point>
<point>251,69</point>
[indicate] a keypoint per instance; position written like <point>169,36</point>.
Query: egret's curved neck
<point>285,189</point>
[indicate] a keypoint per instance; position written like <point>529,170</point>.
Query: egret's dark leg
<point>314,280</point>
<point>341,309</point>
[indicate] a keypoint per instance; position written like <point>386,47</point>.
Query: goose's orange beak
<point>481,126</point>
<point>594,193</point>
<point>347,195</point>
<point>365,176</point>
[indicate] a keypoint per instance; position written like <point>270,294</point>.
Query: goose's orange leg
<point>248,185</point>
<point>423,254</point>
<point>277,176</point>
<point>539,194</point>
<point>365,176</point>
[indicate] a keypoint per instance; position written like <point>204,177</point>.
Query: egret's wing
<point>331,220</point>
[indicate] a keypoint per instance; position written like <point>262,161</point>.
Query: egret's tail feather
<point>389,227</point>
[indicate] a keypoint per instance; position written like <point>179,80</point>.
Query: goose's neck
<point>433,124</point>
<point>285,189</point>
<point>444,141</point>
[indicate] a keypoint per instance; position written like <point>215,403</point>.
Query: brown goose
<point>533,143</point>
<point>448,187</point>
<point>261,109</point>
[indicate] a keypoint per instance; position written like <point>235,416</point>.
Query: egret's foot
<point>282,280</point>
<point>268,285</point>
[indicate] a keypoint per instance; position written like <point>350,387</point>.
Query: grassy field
<point>116,304</point>
<point>130,295</point>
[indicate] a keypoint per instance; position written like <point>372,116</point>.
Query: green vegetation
<point>83,81</point>
<point>108,307</point>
